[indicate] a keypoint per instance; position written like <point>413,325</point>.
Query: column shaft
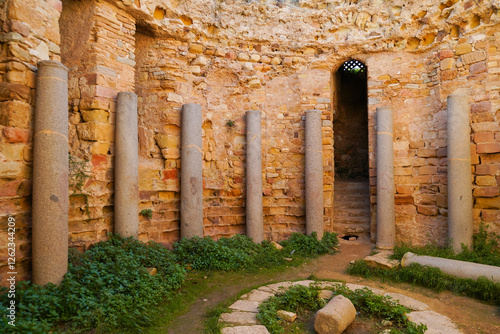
<point>50,174</point>
<point>254,205</point>
<point>191,172</point>
<point>314,173</point>
<point>386,230</point>
<point>460,218</point>
<point>126,166</point>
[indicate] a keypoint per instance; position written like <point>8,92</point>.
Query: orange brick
<point>427,170</point>
<point>486,192</point>
<point>487,169</point>
<point>488,147</point>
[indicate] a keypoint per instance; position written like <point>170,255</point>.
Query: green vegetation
<point>148,213</point>
<point>109,289</point>
<point>485,249</point>
<point>433,278</point>
<point>305,301</point>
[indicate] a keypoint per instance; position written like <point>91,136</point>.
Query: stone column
<point>126,166</point>
<point>191,172</point>
<point>254,205</point>
<point>460,218</point>
<point>50,174</point>
<point>386,229</point>
<point>314,173</point>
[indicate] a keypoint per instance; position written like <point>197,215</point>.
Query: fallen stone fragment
<point>381,260</point>
<point>326,294</point>
<point>276,245</point>
<point>335,317</point>
<point>287,316</point>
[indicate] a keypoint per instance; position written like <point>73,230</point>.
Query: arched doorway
<point>351,206</point>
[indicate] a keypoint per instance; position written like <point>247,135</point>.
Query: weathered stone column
<point>254,205</point>
<point>460,218</point>
<point>386,229</point>
<point>191,172</point>
<point>314,173</point>
<point>50,174</point>
<point>126,166</point>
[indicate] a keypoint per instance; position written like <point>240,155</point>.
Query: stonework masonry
<point>231,56</point>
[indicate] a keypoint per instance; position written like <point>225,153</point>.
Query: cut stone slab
<point>239,318</point>
<point>287,316</point>
<point>335,317</point>
<point>326,294</point>
<point>411,303</point>
<point>436,323</point>
<point>381,260</point>
<point>259,329</point>
<point>328,284</point>
<point>246,306</point>
<point>276,286</point>
<point>358,286</point>
<point>257,295</point>
<point>305,283</point>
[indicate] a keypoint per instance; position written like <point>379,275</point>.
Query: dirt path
<point>471,316</point>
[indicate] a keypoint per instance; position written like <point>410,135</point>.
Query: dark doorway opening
<point>351,188</point>
<point>351,122</point>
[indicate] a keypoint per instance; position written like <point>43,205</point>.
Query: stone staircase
<point>352,207</point>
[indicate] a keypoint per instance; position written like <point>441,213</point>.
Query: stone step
<point>351,186</point>
<point>351,205</point>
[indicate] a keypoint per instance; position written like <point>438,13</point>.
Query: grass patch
<point>433,278</point>
<point>485,249</point>
<point>108,289</point>
<point>305,301</point>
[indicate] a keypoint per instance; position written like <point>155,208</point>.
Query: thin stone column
<point>460,218</point>
<point>314,173</point>
<point>50,174</point>
<point>191,172</point>
<point>126,166</point>
<point>386,229</point>
<point>254,206</point>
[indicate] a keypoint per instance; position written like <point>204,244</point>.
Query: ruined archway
<point>352,209</point>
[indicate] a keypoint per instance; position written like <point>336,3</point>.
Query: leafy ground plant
<point>305,301</point>
<point>108,289</point>
<point>433,278</point>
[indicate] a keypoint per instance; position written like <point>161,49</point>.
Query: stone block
<point>473,57</point>
<point>287,316</point>
<point>446,64</point>
<point>95,116</point>
<point>258,329</point>
<point>335,317</point>
<point>427,153</point>
<point>486,180</point>
<point>484,137</point>
<point>239,318</point>
<point>486,192</point>
<point>477,68</point>
<point>15,114</point>
<point>95,132</point>
<point>487,169</point>
<point>463,48</point>
<point>427,210</point>
<point>442,54</point>
<point>16,135</point>
<point>381,260</point>
<point>479,107</point>
<point>488,147</point>
<point>488,203</point>
<point>11,169</point>
<point>436,323</point>
<point>326,294</point>
<point>13,91</point>
<point>257,295</point>
<point>245,306</point>
<point>196,48</point>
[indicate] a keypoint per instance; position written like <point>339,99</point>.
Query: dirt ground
<point>471,316</point>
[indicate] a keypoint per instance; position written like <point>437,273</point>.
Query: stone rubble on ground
<point>381,260</point>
